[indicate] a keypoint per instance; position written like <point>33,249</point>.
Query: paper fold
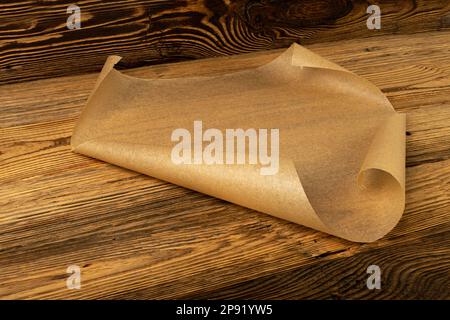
<point>342,145</point>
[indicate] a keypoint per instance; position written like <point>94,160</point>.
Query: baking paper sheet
<point>342,145</point>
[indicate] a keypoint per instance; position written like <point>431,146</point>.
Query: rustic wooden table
<point>137,237</point>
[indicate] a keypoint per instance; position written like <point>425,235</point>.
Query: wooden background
<point>137,237</point>
<point>35,42</point>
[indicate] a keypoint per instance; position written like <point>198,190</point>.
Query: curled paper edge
<point>382,168</point>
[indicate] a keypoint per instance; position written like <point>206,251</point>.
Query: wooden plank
<point>138,237</point>
<point>35,42</point>
<point>417,269</point>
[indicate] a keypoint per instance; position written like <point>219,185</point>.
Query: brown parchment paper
<point>342,145</point>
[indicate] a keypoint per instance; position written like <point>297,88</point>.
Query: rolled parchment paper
<point>340,166</point>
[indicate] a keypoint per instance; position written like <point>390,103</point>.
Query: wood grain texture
<point>35,42</point>
<point>406,274</point>
<point>137,237</point>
